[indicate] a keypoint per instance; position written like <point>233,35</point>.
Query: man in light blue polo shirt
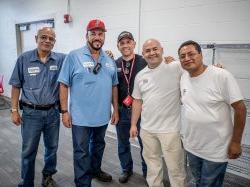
<point>91,78</point>
<point>35,75</point>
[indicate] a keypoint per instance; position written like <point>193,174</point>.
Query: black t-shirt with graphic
<point>139,64</point>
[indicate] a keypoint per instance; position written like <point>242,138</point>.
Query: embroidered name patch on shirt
<point>88,64</point>
<point>53,68</point>
<point>110,66</point>
<point>33,70</point>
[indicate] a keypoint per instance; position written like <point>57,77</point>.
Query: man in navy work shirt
<point>129,64</point>
<point>92,78</point>
<point>35,77</point>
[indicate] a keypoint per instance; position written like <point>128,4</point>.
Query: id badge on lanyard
<point>128,100</point>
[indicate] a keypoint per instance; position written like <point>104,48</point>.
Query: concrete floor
<point>10,150</point>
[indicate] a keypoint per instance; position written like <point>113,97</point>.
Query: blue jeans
<point>88,145</point>
<point>206,173</point>
<point>124,149</point>
<point>36,122</point>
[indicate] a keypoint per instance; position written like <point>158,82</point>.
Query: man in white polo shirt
<point>157,98</point>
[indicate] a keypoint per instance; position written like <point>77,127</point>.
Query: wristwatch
<point>64,111</point>
<point>13,110</point>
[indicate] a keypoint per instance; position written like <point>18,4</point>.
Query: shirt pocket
<point>32,81</point>
<point>53,77</point>
<point>86,77</point>
<point>89,78</point>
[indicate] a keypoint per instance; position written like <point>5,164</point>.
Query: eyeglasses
<point>189,55</point>
<point>45,38</point>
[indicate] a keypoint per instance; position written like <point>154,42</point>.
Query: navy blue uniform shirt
<point>37,80</point>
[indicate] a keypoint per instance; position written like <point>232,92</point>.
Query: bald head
<point>150,41</point>
<point>152,52</point>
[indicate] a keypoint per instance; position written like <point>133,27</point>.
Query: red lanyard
<point>130,74</point>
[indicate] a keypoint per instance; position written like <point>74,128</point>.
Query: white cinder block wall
<point>170,21</point>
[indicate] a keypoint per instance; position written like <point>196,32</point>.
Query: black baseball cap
<point>125,34</point>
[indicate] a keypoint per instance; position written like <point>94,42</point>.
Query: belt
<point>40,107</point>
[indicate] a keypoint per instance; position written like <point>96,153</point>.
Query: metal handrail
<point>215,46</point>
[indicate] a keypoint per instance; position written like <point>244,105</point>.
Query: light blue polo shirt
<point>90,94</point>
<point>37,80</point>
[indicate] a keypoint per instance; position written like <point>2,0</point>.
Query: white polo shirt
<point>160,92</point>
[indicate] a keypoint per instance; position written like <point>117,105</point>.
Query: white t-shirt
<point>207,103</point>
<point>159,89</point>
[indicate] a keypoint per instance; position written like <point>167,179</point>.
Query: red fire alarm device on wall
<point>67,18</point>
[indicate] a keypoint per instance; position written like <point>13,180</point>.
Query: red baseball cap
<point>96,24</point>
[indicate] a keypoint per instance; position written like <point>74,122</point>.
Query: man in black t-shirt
<point>128,65</point>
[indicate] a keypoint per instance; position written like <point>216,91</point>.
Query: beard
<point>97,47</point>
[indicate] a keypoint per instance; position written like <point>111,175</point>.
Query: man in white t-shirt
<point>156,96</point>
<point>210,135</point>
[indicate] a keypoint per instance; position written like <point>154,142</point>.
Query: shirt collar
<point>34,56</point>
<point>86,51</point>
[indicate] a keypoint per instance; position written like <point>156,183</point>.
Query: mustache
<point>97,41</point>
<point>98,47</point>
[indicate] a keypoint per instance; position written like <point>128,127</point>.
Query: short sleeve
<point>176,66</point>
<point>136,91</point>
<point>230,88</point>
<point>17,74</point>
<point>66,72</point>
<point>115,77</point>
